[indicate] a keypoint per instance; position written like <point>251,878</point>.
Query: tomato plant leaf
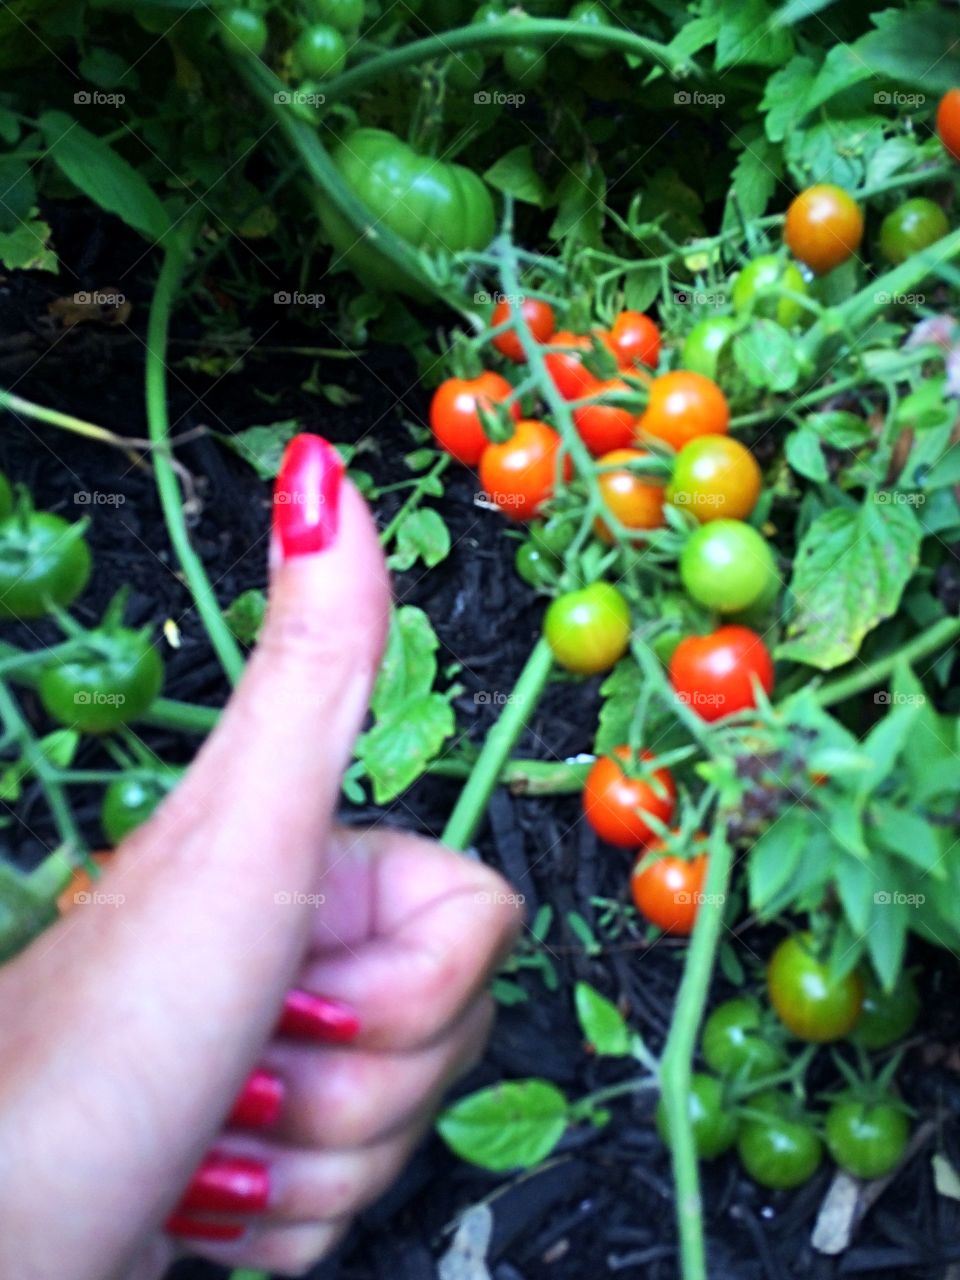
<point>515,174</point>
<point>103,175</point>
<point>886,932</point>
<point>839,428</point>
<point>510,1126</point>
<point>917,47</point>
<point>581,207</point>
<point>747,35</point>
<point>422,535</point>
<point>855,881</point>
<point>905,833</point>
<point>245,615</point>
<point>620,692</point>
<point>776,855</point>
<point>262,447</point>
<point>602,1023</point>
<point>27,247</point>
<point>785,96</point>
<point>766,355</point>
<point>805,456</point>
<point>849,574</point>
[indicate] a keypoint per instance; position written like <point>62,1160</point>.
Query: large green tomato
<point>756,290</point>
<point>432,205</point>
<point>704,342</point>
<point>727,565</point>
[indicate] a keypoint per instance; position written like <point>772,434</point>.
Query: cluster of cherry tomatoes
<point>745,1048</point>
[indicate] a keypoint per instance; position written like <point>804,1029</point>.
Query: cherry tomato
<point>525,64</point>
<point>127,804</point>
<point>810,1001</point>
<point>617,806</point>
<point>567,370</point>
<point>243,31</point>
<point>715,478</point>
<point>535,567</point>
<point>345,15</point>
<point>727,565</point>
<point>77,892</point>
<point>519,475</point>
<point>553,535</point>
<point>592,15</point>
<point>887,1015</point>
<point>781,1149</point>
<point>824,227</point>
<point>320,51</point>
<point>588,630</point>
<point>539,318</point>
<point>736,1043</point>
<point>912,226</point>
<point>867,1139</point>
<point>948,121</point>
<point>634,339</point>
<point>465,70</point>
<point>757,290</point>
<point>635,501</point>
<point>682,406</point>
<point>114,680</point>
<point>705,341</point>
<point>603,427</point>
<point>668,889</point>
<point>43,561</point>
<point>454,419</point>
<point>712,1119</point>
<point>713,674</point>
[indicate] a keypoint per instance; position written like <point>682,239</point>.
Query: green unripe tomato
<point>704,342</point>
<point>779,1149</point>
<point>756,290</point>
<point>734,1043</point>
<point>243,31</point>
<point>127,804</point>
<point>43,561</point>
<point>465,70</point>
<point>535,567</point>
<point>320,51</point>
<point>712,1120</point>
<point>490,15</point>
<point>111,683</point>
<point>887,1016</point>
<point>588,630</point>
<point>525,64</point>
<point>866,1139</point>
<point>589,14</point>
<point>553,535</point>
<point>727,565</point>
<point>914,225</point>
<point>345,15</point>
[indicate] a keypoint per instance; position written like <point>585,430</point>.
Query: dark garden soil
<point>604,1206</point>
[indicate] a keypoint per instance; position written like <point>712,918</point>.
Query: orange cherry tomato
<point>824,227</point>
<point>603,427</point>
<point>682,406</point>
<point>636,501</point>
<point>81,883</point>
<point>539,318</point>
<point>634,339</point>
<point>668,890</point>
<point>948,122</point>
<point>617,806</point>
<point>519,474</point>
<point>454,419</point>
<point>715,478</point>
<point>571,378</point>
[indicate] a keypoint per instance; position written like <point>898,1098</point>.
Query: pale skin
<point>129,1028</point>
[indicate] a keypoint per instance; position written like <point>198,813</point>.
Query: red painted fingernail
<point>259,1104</point>
<point>227,1184</point>
<point>318,1018</point>
<point>306,496</point>
<point>181,1224</point>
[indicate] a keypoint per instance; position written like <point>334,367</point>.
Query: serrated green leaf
<point>422,535</point>
<point>515,174</point>
<point>748,37</point>
<point>27,248</point>
<point>839,428</point>
<point>785,95</point>
<point>510,1126</point>
<point>620,692</point>
<point>581,207</point>
<point>602,1023</point>
<point>262,447</point>
<point>915,47</point>
<point>767,356</point>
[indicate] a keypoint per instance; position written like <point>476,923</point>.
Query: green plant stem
<point>158,425</point>
<point>526,777</point>
<point>422,484</point>
<point>872,673</point>
<point>54,418</point>
<point>472,802</point>
<point>484,35</point>
<point>675,1063</point>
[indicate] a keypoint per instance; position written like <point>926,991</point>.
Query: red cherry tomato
<point>454,419</point>
<point>519,475</point>
<point>824,227</point>
<point>617,806</point>
<point>636,501</point>
<point>712,673</point>
<point>682,406</point>
<point>539,318</point>
<point>603,427</point>
<point>566,368</point>
<point>634,339</point>
<point>668,889</point>
<point>948,121</point>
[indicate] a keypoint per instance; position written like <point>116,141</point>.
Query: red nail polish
<point>181,1224</point>
<point>314,1017</point>
<point>259,1103</point>
<point>306,496</point>
<point>227,1184</point>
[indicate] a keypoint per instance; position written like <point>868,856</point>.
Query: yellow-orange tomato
<point>715,478</point>
<point>682,406</point>
<point>81,883</point>
<point>824,227</point>
<point>635,500</point>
